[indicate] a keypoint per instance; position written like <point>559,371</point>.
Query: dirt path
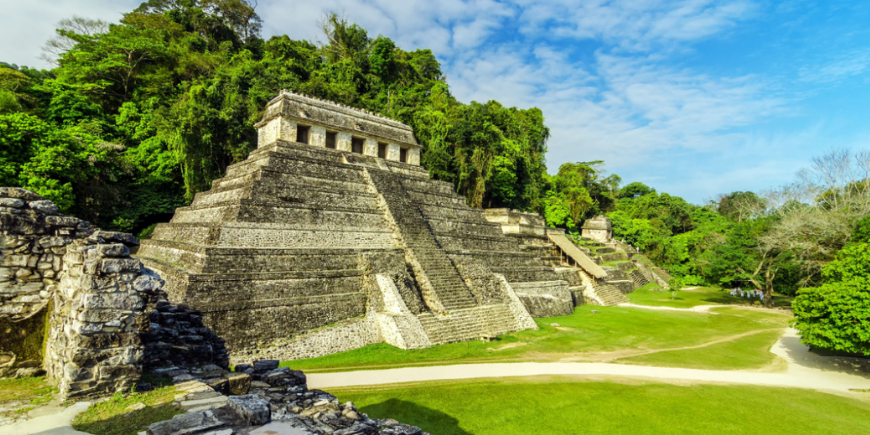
<point>804,370</point>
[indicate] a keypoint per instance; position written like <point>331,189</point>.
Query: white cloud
<point>843,66</point>
<point>25,26</point>
<point>635,24</point>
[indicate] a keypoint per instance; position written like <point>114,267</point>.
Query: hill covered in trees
<point>140,115</point>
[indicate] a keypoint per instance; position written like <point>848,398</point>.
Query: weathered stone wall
<point>98,334</point>
<point>98,315</point>
<point>32,244</point>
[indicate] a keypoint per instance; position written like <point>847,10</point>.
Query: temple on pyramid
<point>330,236</point>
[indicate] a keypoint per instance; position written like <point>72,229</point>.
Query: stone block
<point>101,316</point>
<point>118,301</point>
<point>11,202</point>
<point>251,408</point>
<point>63,221</point>
<point>113,250</point>
<point>284,377</point>
<point>119,371</point>
<point>7,273</point>
<point>116,265</point>
<point>19,193</point>
<point>44,206</point>
<point>16,260</point>
<point>102,236</point>
<point>75,373</point>
<point>239,383</point>
<point>189,423</point>
<point>265,365</point>
<point>147,282</point>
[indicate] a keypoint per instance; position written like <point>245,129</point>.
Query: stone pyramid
<point>330,236</point>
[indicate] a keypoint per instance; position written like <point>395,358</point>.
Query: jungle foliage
<point>140,115</point>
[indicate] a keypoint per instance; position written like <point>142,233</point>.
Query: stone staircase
<point>608,295</point>
<point>468,324</point>
<point>438,269</point>
<point>638,279</point>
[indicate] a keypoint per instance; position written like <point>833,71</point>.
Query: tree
<point>818,213</point>
<point>56,47</point>
<point>835,316</point>
<point>741,205</point>
<point>634,190</point>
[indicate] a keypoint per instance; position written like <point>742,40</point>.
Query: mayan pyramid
<point>330,236</point>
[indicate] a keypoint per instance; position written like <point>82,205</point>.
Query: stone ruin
<point>330,236</point>
<point>589,281</point>
<point>99,314</point>
<point>100,319</point>
<point>598,228</point>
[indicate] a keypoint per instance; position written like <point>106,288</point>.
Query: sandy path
<point>805,370</point>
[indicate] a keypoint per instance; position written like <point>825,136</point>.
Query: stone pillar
<point>414,156</point>
<point>344,140</point>
<point>278,128</point>
<point>393,152</point>
<point>371,147</point>
<point>98,315</point>
<point>317,136</point>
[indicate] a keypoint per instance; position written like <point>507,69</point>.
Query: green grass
<point>562,405</point>
<point>748,352</point>
<point>581,336</point>
<point>34,391</point>
<point>113,417</point>
<point>647,295</point>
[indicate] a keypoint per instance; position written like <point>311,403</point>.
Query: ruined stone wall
<point>101,324</point>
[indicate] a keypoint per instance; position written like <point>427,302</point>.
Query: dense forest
<point>138,116</point>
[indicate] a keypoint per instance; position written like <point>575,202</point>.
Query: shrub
<point>835,316</point>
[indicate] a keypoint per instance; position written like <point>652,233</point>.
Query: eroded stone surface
<point>108,315</point>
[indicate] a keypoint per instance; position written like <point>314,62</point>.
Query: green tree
<point>835,316</point>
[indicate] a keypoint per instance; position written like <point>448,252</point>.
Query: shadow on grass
<point>802,356</point>
<point>430,420</point>
<point>130,423</point>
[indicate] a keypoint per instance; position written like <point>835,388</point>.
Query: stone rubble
<point>277,394</point>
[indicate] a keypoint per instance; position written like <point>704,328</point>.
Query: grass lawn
<point>113,417</point>
<point>748,352</point>
<point>564,405</point>
<point>647,295</point>
<point>583,336</point>
<point>24,394</point>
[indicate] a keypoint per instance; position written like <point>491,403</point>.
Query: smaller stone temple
<point>598,228</point>
<point>309,121</point>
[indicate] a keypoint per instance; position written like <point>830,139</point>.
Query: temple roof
<point>314,111</point>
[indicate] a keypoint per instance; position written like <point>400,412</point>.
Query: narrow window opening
<point>382,150</point>
<point>330,139</point>
<point>302,134</point>
<point>403,155</point>
<point>356,145</point>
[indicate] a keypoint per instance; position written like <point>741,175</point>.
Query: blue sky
<point>693,97</point>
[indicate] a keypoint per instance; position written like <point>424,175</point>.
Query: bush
<point>836,315</point>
